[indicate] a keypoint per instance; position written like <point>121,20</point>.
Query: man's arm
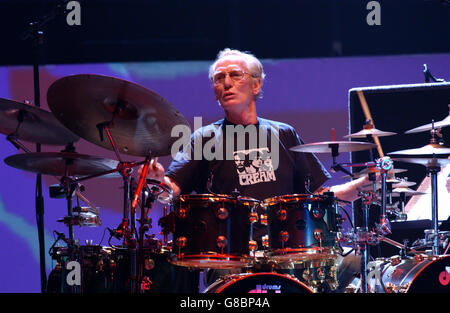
<point>348,191</point>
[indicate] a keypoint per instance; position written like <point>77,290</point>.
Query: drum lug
<point>284,236</point>
<point>181,242</point>
<point>221,242</point>
<point>281,214</point>
<point>253,217</point>
<point>252,245</point>
<point>263,219</point>
<point>222,213</point>
<point>182,213</point>
<point>265,241</point>
<point>318,213</point>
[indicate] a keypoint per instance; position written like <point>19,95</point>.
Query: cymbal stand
<point>433,171</point>
<point>384,165</point>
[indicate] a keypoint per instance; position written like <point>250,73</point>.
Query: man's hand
<point>155,170</point>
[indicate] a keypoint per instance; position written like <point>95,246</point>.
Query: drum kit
<point>211,231</point>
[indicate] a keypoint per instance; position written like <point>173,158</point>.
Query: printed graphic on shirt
<point>254,166</point>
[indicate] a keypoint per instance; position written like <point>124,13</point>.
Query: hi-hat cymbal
<point>371,131</point>
<point>327,146</point>
<point>404,183</point>
<point>445,122</point>
<point>37,125</point>
<point>62,164</point>
<point>143,120</point>
<point>365,172</point>
<point>429,150</point>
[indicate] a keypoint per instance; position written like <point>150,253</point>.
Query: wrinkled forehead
<point>229,63</point>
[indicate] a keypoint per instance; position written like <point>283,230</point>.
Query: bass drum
<point>258,283</point>
<point>428,275</point>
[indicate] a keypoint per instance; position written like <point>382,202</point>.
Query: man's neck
<point>245,117</point>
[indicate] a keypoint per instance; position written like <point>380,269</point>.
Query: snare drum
<point>213,231</point>
<point>258,283</point>
<point>300,228</point>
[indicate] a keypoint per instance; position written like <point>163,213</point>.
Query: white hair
<point>253,64</point>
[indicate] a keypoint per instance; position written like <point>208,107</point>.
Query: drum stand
<point>363,237</point>
<point>133,241</point>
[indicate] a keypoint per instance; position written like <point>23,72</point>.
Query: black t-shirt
<point>219,160</point>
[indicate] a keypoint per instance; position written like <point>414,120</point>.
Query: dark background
<point>119,30</point>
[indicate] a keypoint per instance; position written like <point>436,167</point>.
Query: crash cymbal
<point>327,146</point>
<point>143,120</point>
<point>445,122</point>
<point>37,125</point>
<point>428,162</point>
<point>429,150</point>
<point>62,164</point>
<point>371,131</point>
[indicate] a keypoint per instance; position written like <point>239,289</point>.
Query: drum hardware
<point>431,156</point>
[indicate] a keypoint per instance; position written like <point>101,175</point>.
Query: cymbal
<point>404,183</point>
<point>62,164</point>
<point>326,146</point>
<point>366,172</point>
<point>408,191</point>
<point>371,131</point>
<point>37,126</point>
<point>428,162</point>
<point>445,122</point>
<point>143,120</point>
<point>428,150</point>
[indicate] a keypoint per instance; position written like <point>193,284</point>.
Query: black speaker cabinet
<point>398,108</point>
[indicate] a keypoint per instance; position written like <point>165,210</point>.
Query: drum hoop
<point>216,198</point>
<point>238,277</point>
<point>291,198</point>
<point>430,261</point>
<point>314,250</point>
<point>214,256</point>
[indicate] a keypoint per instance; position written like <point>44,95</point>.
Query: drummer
<point>237,79</point>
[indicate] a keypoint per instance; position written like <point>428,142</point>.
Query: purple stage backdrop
<point>310,94</point>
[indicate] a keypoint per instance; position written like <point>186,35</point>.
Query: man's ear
<point>256,86</point>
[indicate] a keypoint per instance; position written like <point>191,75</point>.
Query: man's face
<point>235,95</point>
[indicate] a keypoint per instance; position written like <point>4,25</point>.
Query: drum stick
<point>365,108</point>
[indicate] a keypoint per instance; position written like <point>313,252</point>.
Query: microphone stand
<point>37,35</point>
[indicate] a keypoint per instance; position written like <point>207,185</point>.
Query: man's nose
<point>228,82</point>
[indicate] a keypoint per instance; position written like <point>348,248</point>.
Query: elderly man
<point>237,79</point>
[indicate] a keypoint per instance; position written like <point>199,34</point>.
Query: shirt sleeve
<point>186,170</point>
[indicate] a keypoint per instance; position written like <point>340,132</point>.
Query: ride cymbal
<point>140,121</point>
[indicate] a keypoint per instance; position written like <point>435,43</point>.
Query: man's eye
<point>219,77</point>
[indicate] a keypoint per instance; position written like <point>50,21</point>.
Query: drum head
<point>258,283</point>
<point>433,278</point>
